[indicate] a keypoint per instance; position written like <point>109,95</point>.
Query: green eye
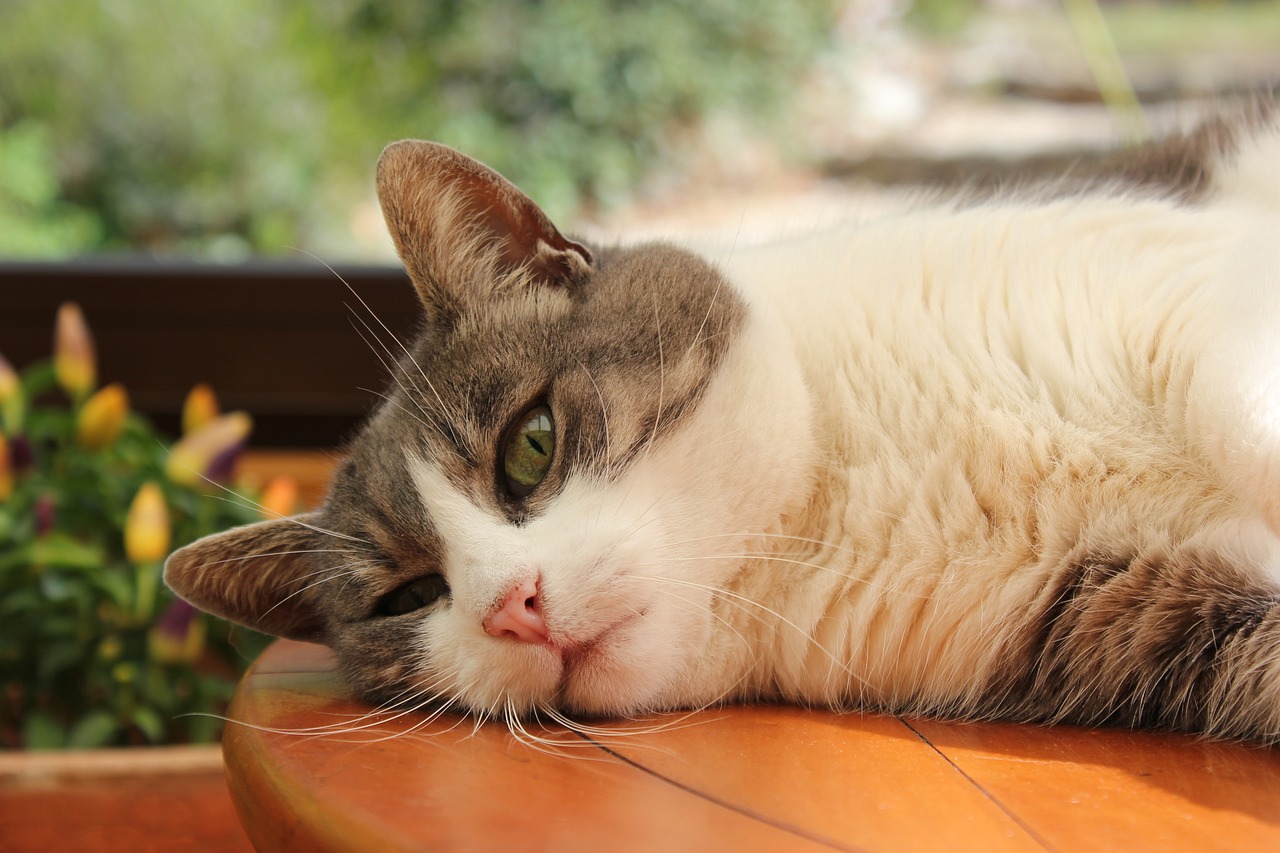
<point>528,450</point>
<point>415,595</point>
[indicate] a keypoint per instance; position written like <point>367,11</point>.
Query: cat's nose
<point>519,615</point>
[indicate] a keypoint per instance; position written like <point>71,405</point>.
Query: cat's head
<point>568,465</point>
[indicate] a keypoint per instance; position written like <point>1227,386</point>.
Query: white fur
<point>1022,378</point>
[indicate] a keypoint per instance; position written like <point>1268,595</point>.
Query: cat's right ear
<point>465,232</point>
<point>260,576</point>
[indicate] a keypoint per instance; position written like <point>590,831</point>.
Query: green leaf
<point>39,378</point>
<point>149,722</point>
<point>95,729</point>
<point>116,585</point>
<point>57,659</point>
<point>40,731</point>
<point>22,602</point>
<point>60,549</point>
<point>57,587</point>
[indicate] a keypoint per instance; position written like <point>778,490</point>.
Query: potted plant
<point>95,650</point>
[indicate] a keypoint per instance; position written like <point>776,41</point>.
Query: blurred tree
<point>34,221</point>
<point>180,126</point>
<point>231,127</point>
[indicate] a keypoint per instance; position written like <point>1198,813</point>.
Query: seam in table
<point>745,812</point>
<point>1023,825</point>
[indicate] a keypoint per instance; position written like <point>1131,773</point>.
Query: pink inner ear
<point>528,238</point>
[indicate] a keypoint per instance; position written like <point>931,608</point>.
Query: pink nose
<point>518,616</point>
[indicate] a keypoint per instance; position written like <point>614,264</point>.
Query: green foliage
<point>94,649</point>
<point>179,125</point>
<point>941,18</point>
<point>238,126</point>
<point>34,221</point>
<point>573,99</point>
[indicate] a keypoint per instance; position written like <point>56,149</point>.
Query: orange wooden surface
<point>750,778</point>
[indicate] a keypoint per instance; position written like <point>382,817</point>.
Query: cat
<point>1010,455</point>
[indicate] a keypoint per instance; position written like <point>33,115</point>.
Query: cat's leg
<point>1177,635</point>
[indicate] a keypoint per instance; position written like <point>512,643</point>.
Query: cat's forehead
<point>644,312</point>
<point>620,361</point>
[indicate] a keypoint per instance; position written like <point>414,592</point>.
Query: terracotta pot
<point>147,798</point>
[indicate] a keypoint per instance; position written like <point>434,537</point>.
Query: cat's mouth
<point>576,655</point>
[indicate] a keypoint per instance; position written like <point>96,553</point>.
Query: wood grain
<point>315,777</point>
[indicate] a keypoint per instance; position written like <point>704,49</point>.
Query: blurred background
<point>224,131</point>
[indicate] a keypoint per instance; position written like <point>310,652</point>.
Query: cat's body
<point>1010,458</point>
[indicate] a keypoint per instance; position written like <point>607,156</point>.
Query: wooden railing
<point>281,340</point>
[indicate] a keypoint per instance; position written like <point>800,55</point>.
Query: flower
<point>209,452</point>
<point>178,635</point>
<point>101,417</point>
<point>6,470</point>
<point>146,527</point>
<point>22,457</point>
<point>200,407</point>
<point>46,513</point>
<point>11,399</point>
<point>8,379</point>
<point>280,497</point>
<point>74,361</point>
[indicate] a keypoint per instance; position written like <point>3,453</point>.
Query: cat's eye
<point>415,595</point>
<point>528,449</point>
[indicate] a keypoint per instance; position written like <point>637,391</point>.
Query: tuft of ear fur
<point>465,232</point>
<point>258,576</point>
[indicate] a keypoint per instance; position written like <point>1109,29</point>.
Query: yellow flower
<point>209,452</point>
<point>11,399</point>
<point>8,379</point>
<point>200,407</point>
<point>280,497</point>
<point>146,527</point>
<point>101,417</point>
<point>6,469</point>
<point>74,361</point>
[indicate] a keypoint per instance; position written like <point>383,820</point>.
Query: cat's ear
<point>258,576</point>
<point>465,232</point>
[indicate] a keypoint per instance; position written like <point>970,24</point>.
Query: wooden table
<point>741,779</point>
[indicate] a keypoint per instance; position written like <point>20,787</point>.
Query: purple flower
<point>22,456</point>
<point>178,635</point>
<point>46,514</point>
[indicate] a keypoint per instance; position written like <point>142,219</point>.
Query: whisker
<point>751,602</point>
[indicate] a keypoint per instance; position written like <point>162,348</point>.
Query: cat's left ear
<point>465,232</point>
<point>261,576</point>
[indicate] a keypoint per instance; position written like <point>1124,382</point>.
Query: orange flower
<point>209,451</point>
<point>280,497</point>
<point>200,407</point>
<point>101,417</point>
<point>74,360</point>
<point>146,527</point>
